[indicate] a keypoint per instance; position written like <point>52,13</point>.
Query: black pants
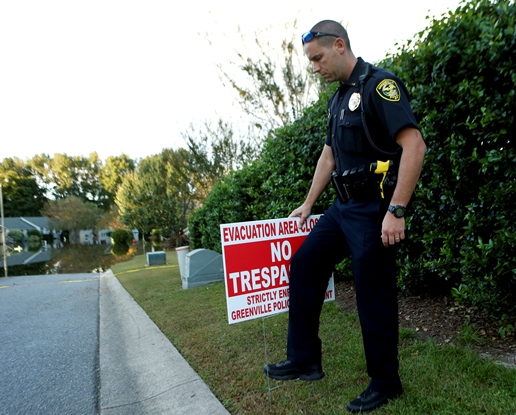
<point>350,228</point>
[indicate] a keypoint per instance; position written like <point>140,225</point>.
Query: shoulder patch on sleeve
<point>388,89</point>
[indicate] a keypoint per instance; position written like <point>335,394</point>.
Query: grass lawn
<point>438,380</point>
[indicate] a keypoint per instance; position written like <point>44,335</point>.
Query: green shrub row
<point>460,72</point>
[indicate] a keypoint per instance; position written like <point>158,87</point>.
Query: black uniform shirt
<point>387,109</point>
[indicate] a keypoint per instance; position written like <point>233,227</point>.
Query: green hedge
<point>460,73</point>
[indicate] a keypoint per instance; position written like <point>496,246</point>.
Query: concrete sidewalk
<point>141,372</point>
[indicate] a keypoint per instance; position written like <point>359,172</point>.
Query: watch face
<point>398,211</point>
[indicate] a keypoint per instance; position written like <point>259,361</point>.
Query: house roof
<point>25,258</point>
<point>26,223</point>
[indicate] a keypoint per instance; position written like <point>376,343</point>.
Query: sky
<point>131,76</point>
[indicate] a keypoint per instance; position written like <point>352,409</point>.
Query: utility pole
<point>4,246</point>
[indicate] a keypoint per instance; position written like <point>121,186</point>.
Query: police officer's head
<point>327,46</point>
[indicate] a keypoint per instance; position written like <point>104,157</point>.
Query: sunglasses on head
<point>308,36</point>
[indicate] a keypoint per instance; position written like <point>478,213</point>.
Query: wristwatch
<point>398,211</point>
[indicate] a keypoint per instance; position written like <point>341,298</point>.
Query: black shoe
<point>288,370</point>
<point>371,399</point>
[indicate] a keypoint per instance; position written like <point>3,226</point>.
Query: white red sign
<point>257,259</point>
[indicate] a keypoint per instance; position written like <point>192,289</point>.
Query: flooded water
<point>67,259</point>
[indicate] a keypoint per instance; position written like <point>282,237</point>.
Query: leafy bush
<point>460,72</point>
<point>34,243</point>
<point>33,239</point>
<point>16,235</point>
<point>289,160</point>
<point>122,237</point>
<point>120,249</point>
<point>35,233</point>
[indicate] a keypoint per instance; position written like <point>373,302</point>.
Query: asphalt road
<point>78,344</point>
<point>49,345</point>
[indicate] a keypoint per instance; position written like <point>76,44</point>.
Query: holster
<point>366,182</point>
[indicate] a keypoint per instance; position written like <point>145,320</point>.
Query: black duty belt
<point>366,182</point>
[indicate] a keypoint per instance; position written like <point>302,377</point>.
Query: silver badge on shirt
<point>354,101</point>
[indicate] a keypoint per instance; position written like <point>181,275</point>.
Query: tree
<point>275,88</point>
<point>159,195</point>
<point>112,174</point>
<point>133,204</point>
<point>273,95</point>
<point>72,176</point>
<point>22,194</point>
<point>182,186</point>
<point>72,214</point>
<point>111,219</point>
<point>216,151</point>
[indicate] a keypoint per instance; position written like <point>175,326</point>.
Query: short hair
<point>335,28</point>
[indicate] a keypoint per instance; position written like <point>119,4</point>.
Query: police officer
<point>366,223</point>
